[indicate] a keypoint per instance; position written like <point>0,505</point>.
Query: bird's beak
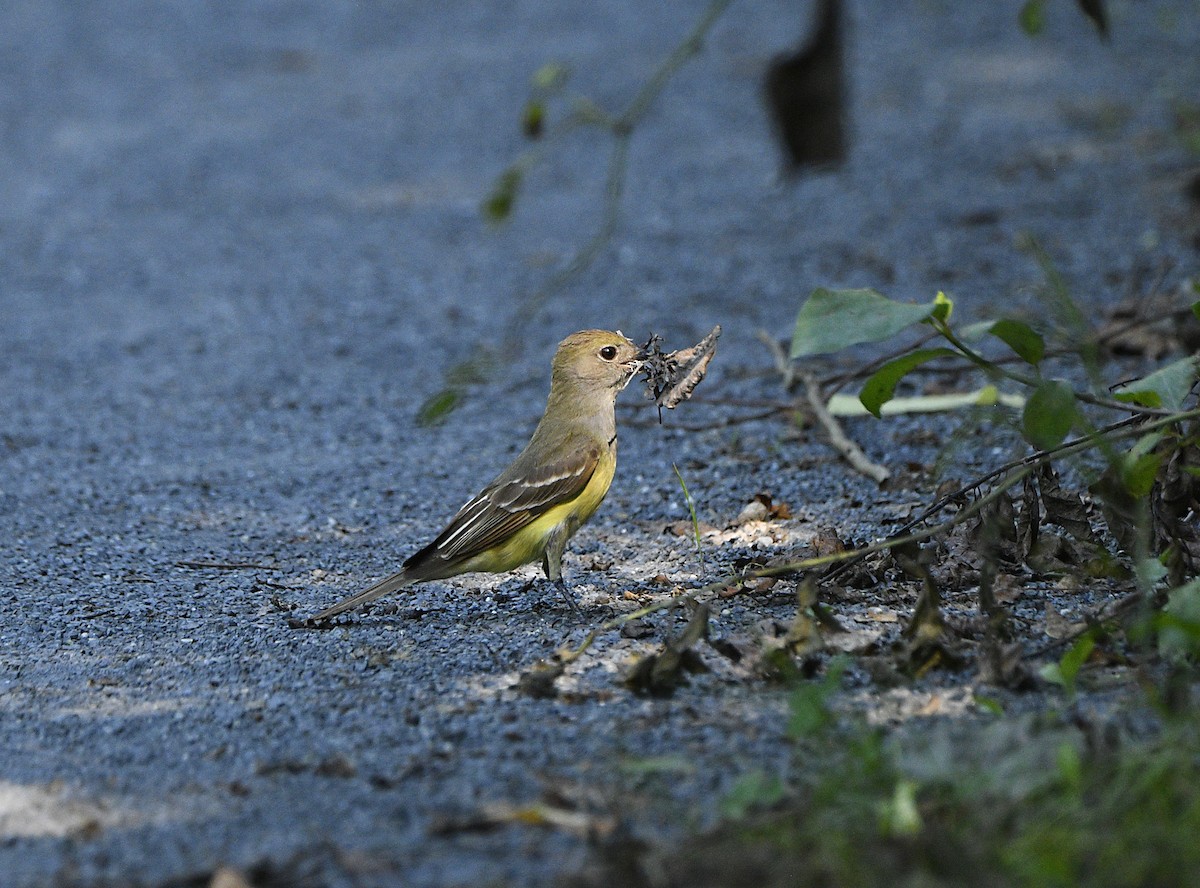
<point>632,368</point>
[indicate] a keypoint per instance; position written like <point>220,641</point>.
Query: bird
<point>532,508</point>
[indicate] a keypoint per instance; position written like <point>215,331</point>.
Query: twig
<point>221,565</point>
<point>1066,448</point>
<point>992,368</point>
<point>1106,611</point>
<point>566,655</point>
<point>723,422</point>
<point>1115,431</point>
<point>838,439</point>
<point>783,364</point>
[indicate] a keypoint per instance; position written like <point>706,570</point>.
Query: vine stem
<point>621,127</point>
<point>994,369</point>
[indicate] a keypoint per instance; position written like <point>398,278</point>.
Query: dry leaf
<point>659,674</point>
<point>671,378</point>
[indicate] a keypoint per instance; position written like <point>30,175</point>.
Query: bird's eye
<point>608,352</point>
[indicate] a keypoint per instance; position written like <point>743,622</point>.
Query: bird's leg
<point>568,596</point>
<point>552,565</point>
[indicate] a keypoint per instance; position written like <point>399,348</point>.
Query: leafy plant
<point>1148,486</point>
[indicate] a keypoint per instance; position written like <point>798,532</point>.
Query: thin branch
<point>1016,473</point>
<point>621,128</point>
<point>1106,611</point>
<point>222,565</point>
<point>838,439</point>
<point>992,368</point>
<point>783,363</point>
<point>1134,425</point>
<point>721,423</point>
<point>690,46</point>
<point>1084,442</point>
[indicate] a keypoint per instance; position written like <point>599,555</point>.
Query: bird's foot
<point>568,596</point>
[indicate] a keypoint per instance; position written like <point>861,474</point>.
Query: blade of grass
<point>687,497</point>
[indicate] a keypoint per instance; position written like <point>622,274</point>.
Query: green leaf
<point>831,320</point>
<point>1033,17</point>
<point>754,790</point>
<point>1138,473</point>
<point>1179,635</point>
<point>1049,414</point>
<point>1167,387</point>
<point>809,703</point>
<point>989,396</point>
<point>1196,304</point>
<point>1070,766</point>
<point>498,205</point>
<point>437,407</point>
<point>551,76</point>
<point>900,816</point>
<point>1065,671</point>
<point>988,704</point>
<point>943,306</point>
<point>533,119</point>
<point>1021,338</point>
<point>881,385</point>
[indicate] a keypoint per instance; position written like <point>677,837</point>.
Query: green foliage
<point>1167,387</point>
<point>899,815</point>
<point>1139,473</point>
<point>551,77</point>
<point>880,387</point>
<point>1049,414</point>
<point>1179,624</point>
<point>1033,17</point>
<point>1016,803</point>
<point>755,789</point>
<point>809,702</point>
<point>438,406</point>
<point>1021,338</point>
<point>499,203</point>
<point>1066,670</point>
<point>687,497</point>
<point>832,320</point>
<point>533,122</point>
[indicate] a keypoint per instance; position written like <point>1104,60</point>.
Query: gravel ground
<point>240,244</point>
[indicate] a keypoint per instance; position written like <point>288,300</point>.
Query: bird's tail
<point>383,587</point>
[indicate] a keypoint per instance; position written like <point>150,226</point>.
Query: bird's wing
<point>512,502</point>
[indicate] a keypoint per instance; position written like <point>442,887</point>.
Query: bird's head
<point>597,359</point>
